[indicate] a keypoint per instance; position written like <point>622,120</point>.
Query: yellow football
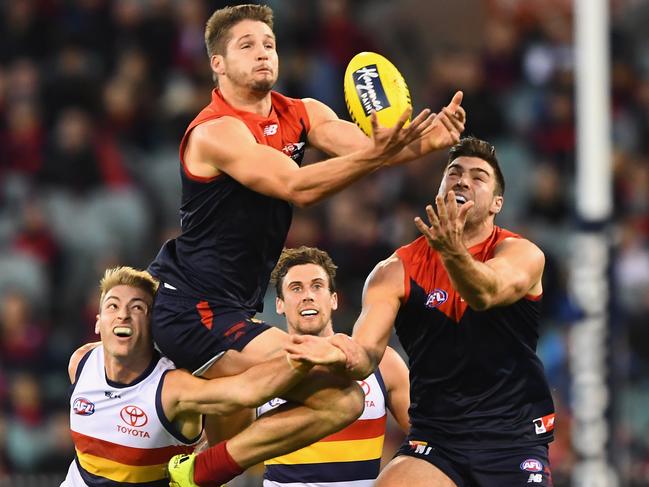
<point>374,83</point>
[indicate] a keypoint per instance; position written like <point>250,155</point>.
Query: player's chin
<point>263,85</point>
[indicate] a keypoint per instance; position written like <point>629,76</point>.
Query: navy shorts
<point>194,334</point>
<point>492,467</point>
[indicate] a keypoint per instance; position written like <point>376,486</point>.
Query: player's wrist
<point>298,365</point>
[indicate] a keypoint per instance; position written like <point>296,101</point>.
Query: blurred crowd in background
<point>95,96</point>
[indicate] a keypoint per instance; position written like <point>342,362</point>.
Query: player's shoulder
<point>387,273</point>
<point>518,244</point>
<point>212,133</point>
<point>77,356</point>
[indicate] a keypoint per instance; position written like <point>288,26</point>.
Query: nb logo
<point>270,129</point>
<point>133,416</point>
<point>436,298</point>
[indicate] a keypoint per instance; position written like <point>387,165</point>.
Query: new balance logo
<point>270,129</point>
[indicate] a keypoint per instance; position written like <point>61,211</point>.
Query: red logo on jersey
<point>133,416</point>
<point>544,424</point>
<point>365,386</point>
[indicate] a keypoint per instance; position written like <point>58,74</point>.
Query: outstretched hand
<point>389,141</point>
<point>314,350</point>
<point>447,125</point>
<point>446,230</point>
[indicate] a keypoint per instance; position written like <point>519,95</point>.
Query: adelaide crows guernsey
<point>349,458</point>
<point>121,435</point>
<point>232,236</point>
<point>476,380</point>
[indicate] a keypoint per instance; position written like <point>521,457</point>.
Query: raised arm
<point>226,145</point>
<point>339,137</point>
<point>382,296</point>
<point>513,272</point>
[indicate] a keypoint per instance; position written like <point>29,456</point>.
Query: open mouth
<point>123,331</point>
<point>460,199</point>
<point>308,312</point>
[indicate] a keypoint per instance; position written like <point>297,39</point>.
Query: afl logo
<point>83,407</point>
<point>436,298</point>
<point>532,465</point>
<point>133,416</point>
<point>365,386</point>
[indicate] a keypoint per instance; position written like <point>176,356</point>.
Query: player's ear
<point>279,306</point>
<point>97,325</point>
<point>497,204</point>
<point>217,64</point>
<point>334,301</point>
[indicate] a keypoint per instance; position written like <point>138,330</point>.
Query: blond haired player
<point>131,411</point>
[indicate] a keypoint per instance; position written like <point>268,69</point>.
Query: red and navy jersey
<point>232,236</point>
<point>475,377</point>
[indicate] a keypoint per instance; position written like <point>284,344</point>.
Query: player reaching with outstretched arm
<point>464,299</point>
<point>241,176</point>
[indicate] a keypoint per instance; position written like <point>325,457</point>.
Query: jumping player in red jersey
<point>241,177</point>
<point>464,299</point>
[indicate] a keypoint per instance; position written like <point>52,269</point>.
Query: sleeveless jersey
<point>475,378</point>
<point>232,236</point>
<point>349,458</point>
<point>121,435</point>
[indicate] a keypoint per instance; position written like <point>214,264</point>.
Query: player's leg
<point>212,345</point>
<point>280,431</point>
<point>406,471</point>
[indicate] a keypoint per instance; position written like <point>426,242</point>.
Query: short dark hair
<point>300,256</point>
<point>474,147</point>
<point>217,30</point>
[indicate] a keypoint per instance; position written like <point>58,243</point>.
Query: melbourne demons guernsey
<point>476,380</point>
<point>349,458</point>
<point>232,236</point>
<point>120,433</point>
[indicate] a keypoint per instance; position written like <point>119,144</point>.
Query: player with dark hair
<point>241,176</point>
<point>304,279</point>
<point>464,299</point>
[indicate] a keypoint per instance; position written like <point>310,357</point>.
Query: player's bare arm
<point>185,393</point>
<point>339,137</point>
<point>270,172</point>
<point>382,296</point>
<point>397,383</point>
<point>514,272</point>
<point>76,357</point>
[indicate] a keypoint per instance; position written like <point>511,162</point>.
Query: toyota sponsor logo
<point>133,416</point>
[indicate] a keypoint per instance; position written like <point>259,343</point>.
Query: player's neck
<point>477,233</point>
<point>126,370</point>
<point>246,100</point>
